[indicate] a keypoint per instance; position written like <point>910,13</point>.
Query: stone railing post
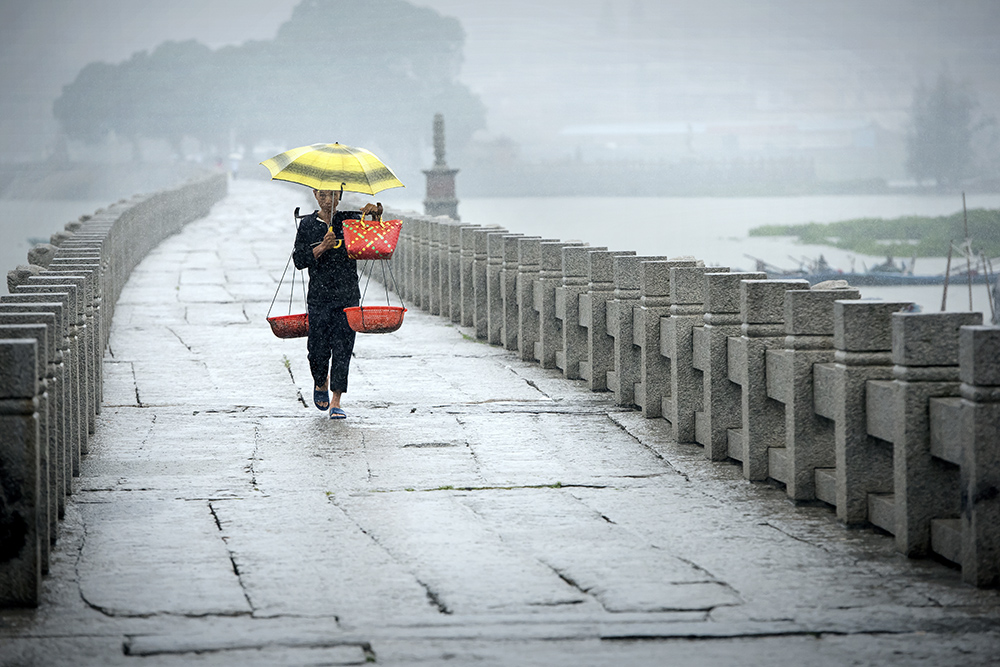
<point>475,296</point>
<point>420,261</point>
<point>21,522</point>
<point>575,264</point>
<point>465,304</point>
<point>509,289</point>
<point>762,308</point>
<point>925,354</point>
<point>88,354</point>
<point>71,263</point>
<point>47,512</point>
<point>437,255</point>
<point>683,394</point>
<point>49,413</point>
<point>621,325</point>
<point>721,404</point>
<point>459,263</point>
<point>529,263</point>
<point>980,469</point>
<point>495,285</point>
<point>68,398</point>
<point>862,336</point>
<point>600,359</point>
<point>809,437</point>
<point>550,326</point>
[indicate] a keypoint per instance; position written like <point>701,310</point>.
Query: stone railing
<point>890,416</point>
<point>54,327</point>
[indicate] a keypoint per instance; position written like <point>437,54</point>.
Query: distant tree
<point>368,72</point>
<point>941,137</point>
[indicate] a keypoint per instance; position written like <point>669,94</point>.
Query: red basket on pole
<point>290,326</point>
<point>375,319</point>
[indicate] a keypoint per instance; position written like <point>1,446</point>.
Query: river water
<point>714,229</point>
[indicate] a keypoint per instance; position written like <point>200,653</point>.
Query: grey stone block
<point>42,254</point>
<point>763,301</point>
<point>600,357</point>
<point>21,274</point>
<point>722,290</point>
<point>810,312</point>
<point>721,406</point>
<point>20,521</point>
<point>929,339</point>
<point>979,355</point>
<point>863,325</point>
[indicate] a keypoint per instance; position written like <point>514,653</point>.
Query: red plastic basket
<point>375,319</point>
<point>290,326</point>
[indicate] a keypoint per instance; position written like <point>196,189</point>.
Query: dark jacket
<point>333,278</point>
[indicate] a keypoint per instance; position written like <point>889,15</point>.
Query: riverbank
<point>905,236</point>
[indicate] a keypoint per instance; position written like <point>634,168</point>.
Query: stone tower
<point>441,198</point>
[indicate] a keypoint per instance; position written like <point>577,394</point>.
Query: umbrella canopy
<point>333,167</point>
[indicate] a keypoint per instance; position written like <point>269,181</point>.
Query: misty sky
<point>547,66</point>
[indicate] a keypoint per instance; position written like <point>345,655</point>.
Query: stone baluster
<point>682,388</point>
<point>47,505</point>
<point>90,357</point>
<point>49,411</point>
<point>21,523</point>
<point>465,303</point>
<point>762,308</point>
<point>78,361</point>
<point>437,256</point>
<point>809,437</point>
<point>459,262</point>
<point>496,243</point>
<point>621,318</point>
<point>650,326</point>
<point>476,295</point>
<point>550,278</point>
<point>417,259</point>
<point>862,336</point>
<point>58,305</point>
<point>722,401</point>
<point>600,359</point>
<point>509,284</point>
<point>575,264</point>
<point>979,353</point>
<point>925,354</point>
<point>529,264</point>
<point>97,326</point>
<point>401,257</point>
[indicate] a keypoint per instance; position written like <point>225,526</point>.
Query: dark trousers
<point>330,345</point>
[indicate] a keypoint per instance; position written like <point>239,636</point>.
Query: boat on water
<point>888,273</point>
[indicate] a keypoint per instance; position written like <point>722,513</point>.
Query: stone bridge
<point>567,455</point>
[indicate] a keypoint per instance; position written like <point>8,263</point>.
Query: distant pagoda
<point>441,198</point>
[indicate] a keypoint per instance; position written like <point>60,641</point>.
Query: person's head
<point>327,199</point>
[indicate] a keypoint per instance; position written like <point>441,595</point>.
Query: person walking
<point>333,286</point>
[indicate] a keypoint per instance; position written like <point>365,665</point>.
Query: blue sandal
<point>337,413</point>
<point>321,396</point>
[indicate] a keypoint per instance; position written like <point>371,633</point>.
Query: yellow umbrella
<point>333,167</point>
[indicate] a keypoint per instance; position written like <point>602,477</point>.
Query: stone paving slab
<point>472,510</point>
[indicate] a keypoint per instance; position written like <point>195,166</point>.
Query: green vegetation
<point>900,237</point>
<point>363,72</point>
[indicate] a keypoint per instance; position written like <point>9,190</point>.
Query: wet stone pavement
<point>472,510</point>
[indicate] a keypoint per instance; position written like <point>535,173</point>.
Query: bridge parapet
<point>837,398</point>
<point>56,321</point>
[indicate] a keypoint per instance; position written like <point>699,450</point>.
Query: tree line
<point>363,72</point>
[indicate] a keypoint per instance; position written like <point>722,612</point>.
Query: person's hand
<point>372,209</point>
<point>329,241</point>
